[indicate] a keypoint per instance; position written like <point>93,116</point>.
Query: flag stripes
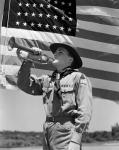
<point>98,11</point>
<point>106,94</point>
<point>104,20</point>
<point>101,3</point>
<point>95,27</point>
<point>96,36</point>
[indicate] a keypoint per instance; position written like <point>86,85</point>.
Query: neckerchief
<point>56,76</point>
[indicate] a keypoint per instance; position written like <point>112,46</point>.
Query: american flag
<point>91,25</point>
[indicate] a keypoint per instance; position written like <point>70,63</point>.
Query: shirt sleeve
<point>84,101</point>
<point>28,83</point>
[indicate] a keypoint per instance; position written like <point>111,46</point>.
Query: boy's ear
<point>71,59</point>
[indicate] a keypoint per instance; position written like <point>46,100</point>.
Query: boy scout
<point>67,97</point>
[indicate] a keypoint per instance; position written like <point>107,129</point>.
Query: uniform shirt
<point>71,97</point>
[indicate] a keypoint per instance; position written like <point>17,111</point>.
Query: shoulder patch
<point>83,79</point>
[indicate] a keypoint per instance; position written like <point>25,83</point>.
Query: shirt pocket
<point>68,96</point>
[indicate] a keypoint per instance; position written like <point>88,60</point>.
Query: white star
<point>48,6</point>
<point>70,19</point>
<point>61,28</point>
<point>34,5</point>
<point>19,13</point>
<point>33,14</point>
<point>27,4</point>
<point>48,15</point>
<point>70,4</point>
<point>32,24</point>
<point>40,15</point>
<point>54,27</point>
<point>33,91</point>
<point>20,4</point>
<point>55,17</point>
<point>55,2</point>
<point>24,23</point>
<point>63,18</point>
<point>47,25</point>
<point>17,23</point>
<point>39,25</point>
<point>69,12</point>
<point>26,14</point>
<point>69,29</point>
<point>41,5</point>
<point>63,3</point>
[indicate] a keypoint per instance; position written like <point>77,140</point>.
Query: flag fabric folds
<point>91,25</point>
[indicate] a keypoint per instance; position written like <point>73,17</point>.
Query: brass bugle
<point>42,59</point>
<point>13,44</point>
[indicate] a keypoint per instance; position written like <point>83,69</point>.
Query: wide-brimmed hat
<point>72,50</point>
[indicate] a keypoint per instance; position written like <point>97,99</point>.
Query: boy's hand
<point>38,54</point>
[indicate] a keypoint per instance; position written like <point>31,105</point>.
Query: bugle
<point>42,58</point>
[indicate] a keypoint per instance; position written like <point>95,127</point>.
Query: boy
<point>67,97</point>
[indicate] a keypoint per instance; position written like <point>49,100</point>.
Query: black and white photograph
<point>59,74</point>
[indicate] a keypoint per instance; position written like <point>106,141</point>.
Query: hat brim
<point>72,50</point>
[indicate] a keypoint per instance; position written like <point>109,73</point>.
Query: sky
<point>23,112</point>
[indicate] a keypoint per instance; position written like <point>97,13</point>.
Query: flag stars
<point>63,18</point>
<point>41,5</point>
<point>33,91</point>
<point>55,17</point>
<point>56,2</point>
<point>54,27</point>
<point>48,15</point>
<point>69,29</point>
<point>39,25</point>
<point>33,14</point>
<point>24,24</point>
<point>18,23</point>
<point>26,14</point>
<point>40,15</point>
<point>34,5</point>
<point>70,19</point>
<point>63,3</point>
<point>69,13</point>
<point>19,14</point>
<point>61,28</point>
<point>32,24</point>
<point>20,4</point>
<point>70,4</point>
<point>27,4</point>
<point>47,25</point>
<point>48,6</point>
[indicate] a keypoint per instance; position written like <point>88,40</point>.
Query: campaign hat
<point>73,51</point>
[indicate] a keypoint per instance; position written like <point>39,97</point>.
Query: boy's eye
<point>58,53</point>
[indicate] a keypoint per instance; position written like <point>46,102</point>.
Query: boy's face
<point>62,59</point>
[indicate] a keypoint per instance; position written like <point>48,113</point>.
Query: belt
<point>59,119</point>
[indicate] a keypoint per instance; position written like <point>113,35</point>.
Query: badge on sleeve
<point>83,79</point>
